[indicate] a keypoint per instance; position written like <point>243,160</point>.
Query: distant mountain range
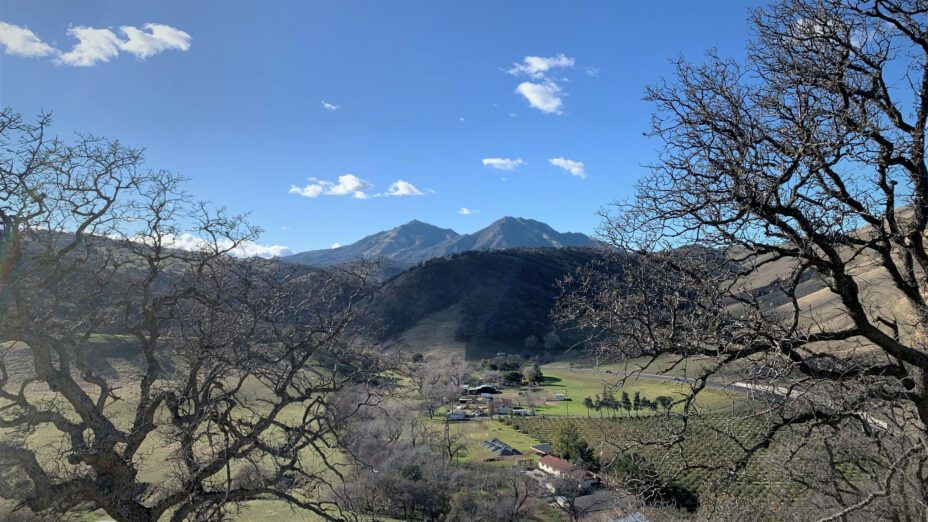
<point>416,241</point>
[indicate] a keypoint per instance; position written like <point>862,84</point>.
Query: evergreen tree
<point>570,446</point>
<point>626,403</point>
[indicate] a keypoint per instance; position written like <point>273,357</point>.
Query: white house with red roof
<point>560,468</point>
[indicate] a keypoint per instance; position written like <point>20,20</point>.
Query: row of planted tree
<point>608,402</point>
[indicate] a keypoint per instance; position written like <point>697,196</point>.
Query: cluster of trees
<point>549,342</point>
<point>503,363</point>
<point>570,445</point>
<point>532,373</point>
<point>436,381</point>
<point>608,401</point>
<point>643,479</point>
<point>511,369</point>
<point>402,467</point>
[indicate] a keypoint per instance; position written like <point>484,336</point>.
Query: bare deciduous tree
<point>438,381</point>
<point>807,161</point>
<point>231,365</point>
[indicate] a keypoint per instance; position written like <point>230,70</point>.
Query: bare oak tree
<point>800,171</point>
<point>145,370</point>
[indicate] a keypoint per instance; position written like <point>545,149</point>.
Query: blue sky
<point>230,94</point>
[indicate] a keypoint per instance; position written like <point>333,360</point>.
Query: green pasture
<point>577,384</point>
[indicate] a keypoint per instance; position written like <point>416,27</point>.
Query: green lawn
<point>477,431</point>
<point>577,384</point>
<point>664,364</point>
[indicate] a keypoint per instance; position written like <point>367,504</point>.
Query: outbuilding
<point>482,389</point>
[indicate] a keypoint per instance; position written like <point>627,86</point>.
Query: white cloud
<point>575,168</point>
<point>464,211</point>
<point>403,188</point>
<point>155,38</point>
<point>537,66</point>
<point>592,72</point>
<point>513,115</point>
<point>348,184</point>
<point>93,46</point>
<point>192,243</point>
<point>336,245</point>
<point>503,163</point>
<point>351,185</point>
<point>330,106</point>
<point>250,249</point>
<point>20,41</point>
<point>545,97</point>
<point>462,120</point>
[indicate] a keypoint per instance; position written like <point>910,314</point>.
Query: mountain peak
<point>415,224</point>
<point>418,241</point>
<point>518,220</point>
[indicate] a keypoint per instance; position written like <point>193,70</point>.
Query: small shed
<point>543,449</point>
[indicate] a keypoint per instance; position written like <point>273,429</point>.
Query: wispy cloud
<point>347,184</point>
<point>464,211</point>
<point>546,97</point>
<point>592,72</point>
<point>537,66</point>
<point>575,168</point>
<point>403,188</point>
<point>95,45</point>
<point>330,106</point>
<point>351,185</point>
<point>503,163</point>
<point>543,92</point>
<point>20,41</point>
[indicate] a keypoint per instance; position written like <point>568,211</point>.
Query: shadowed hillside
<point>499,296</point>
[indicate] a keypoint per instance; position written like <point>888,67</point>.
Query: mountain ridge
<point>417,241</point>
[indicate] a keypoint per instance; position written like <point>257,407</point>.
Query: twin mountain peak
<point>417,241</point>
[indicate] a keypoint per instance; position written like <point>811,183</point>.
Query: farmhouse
<point>558,467</point>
